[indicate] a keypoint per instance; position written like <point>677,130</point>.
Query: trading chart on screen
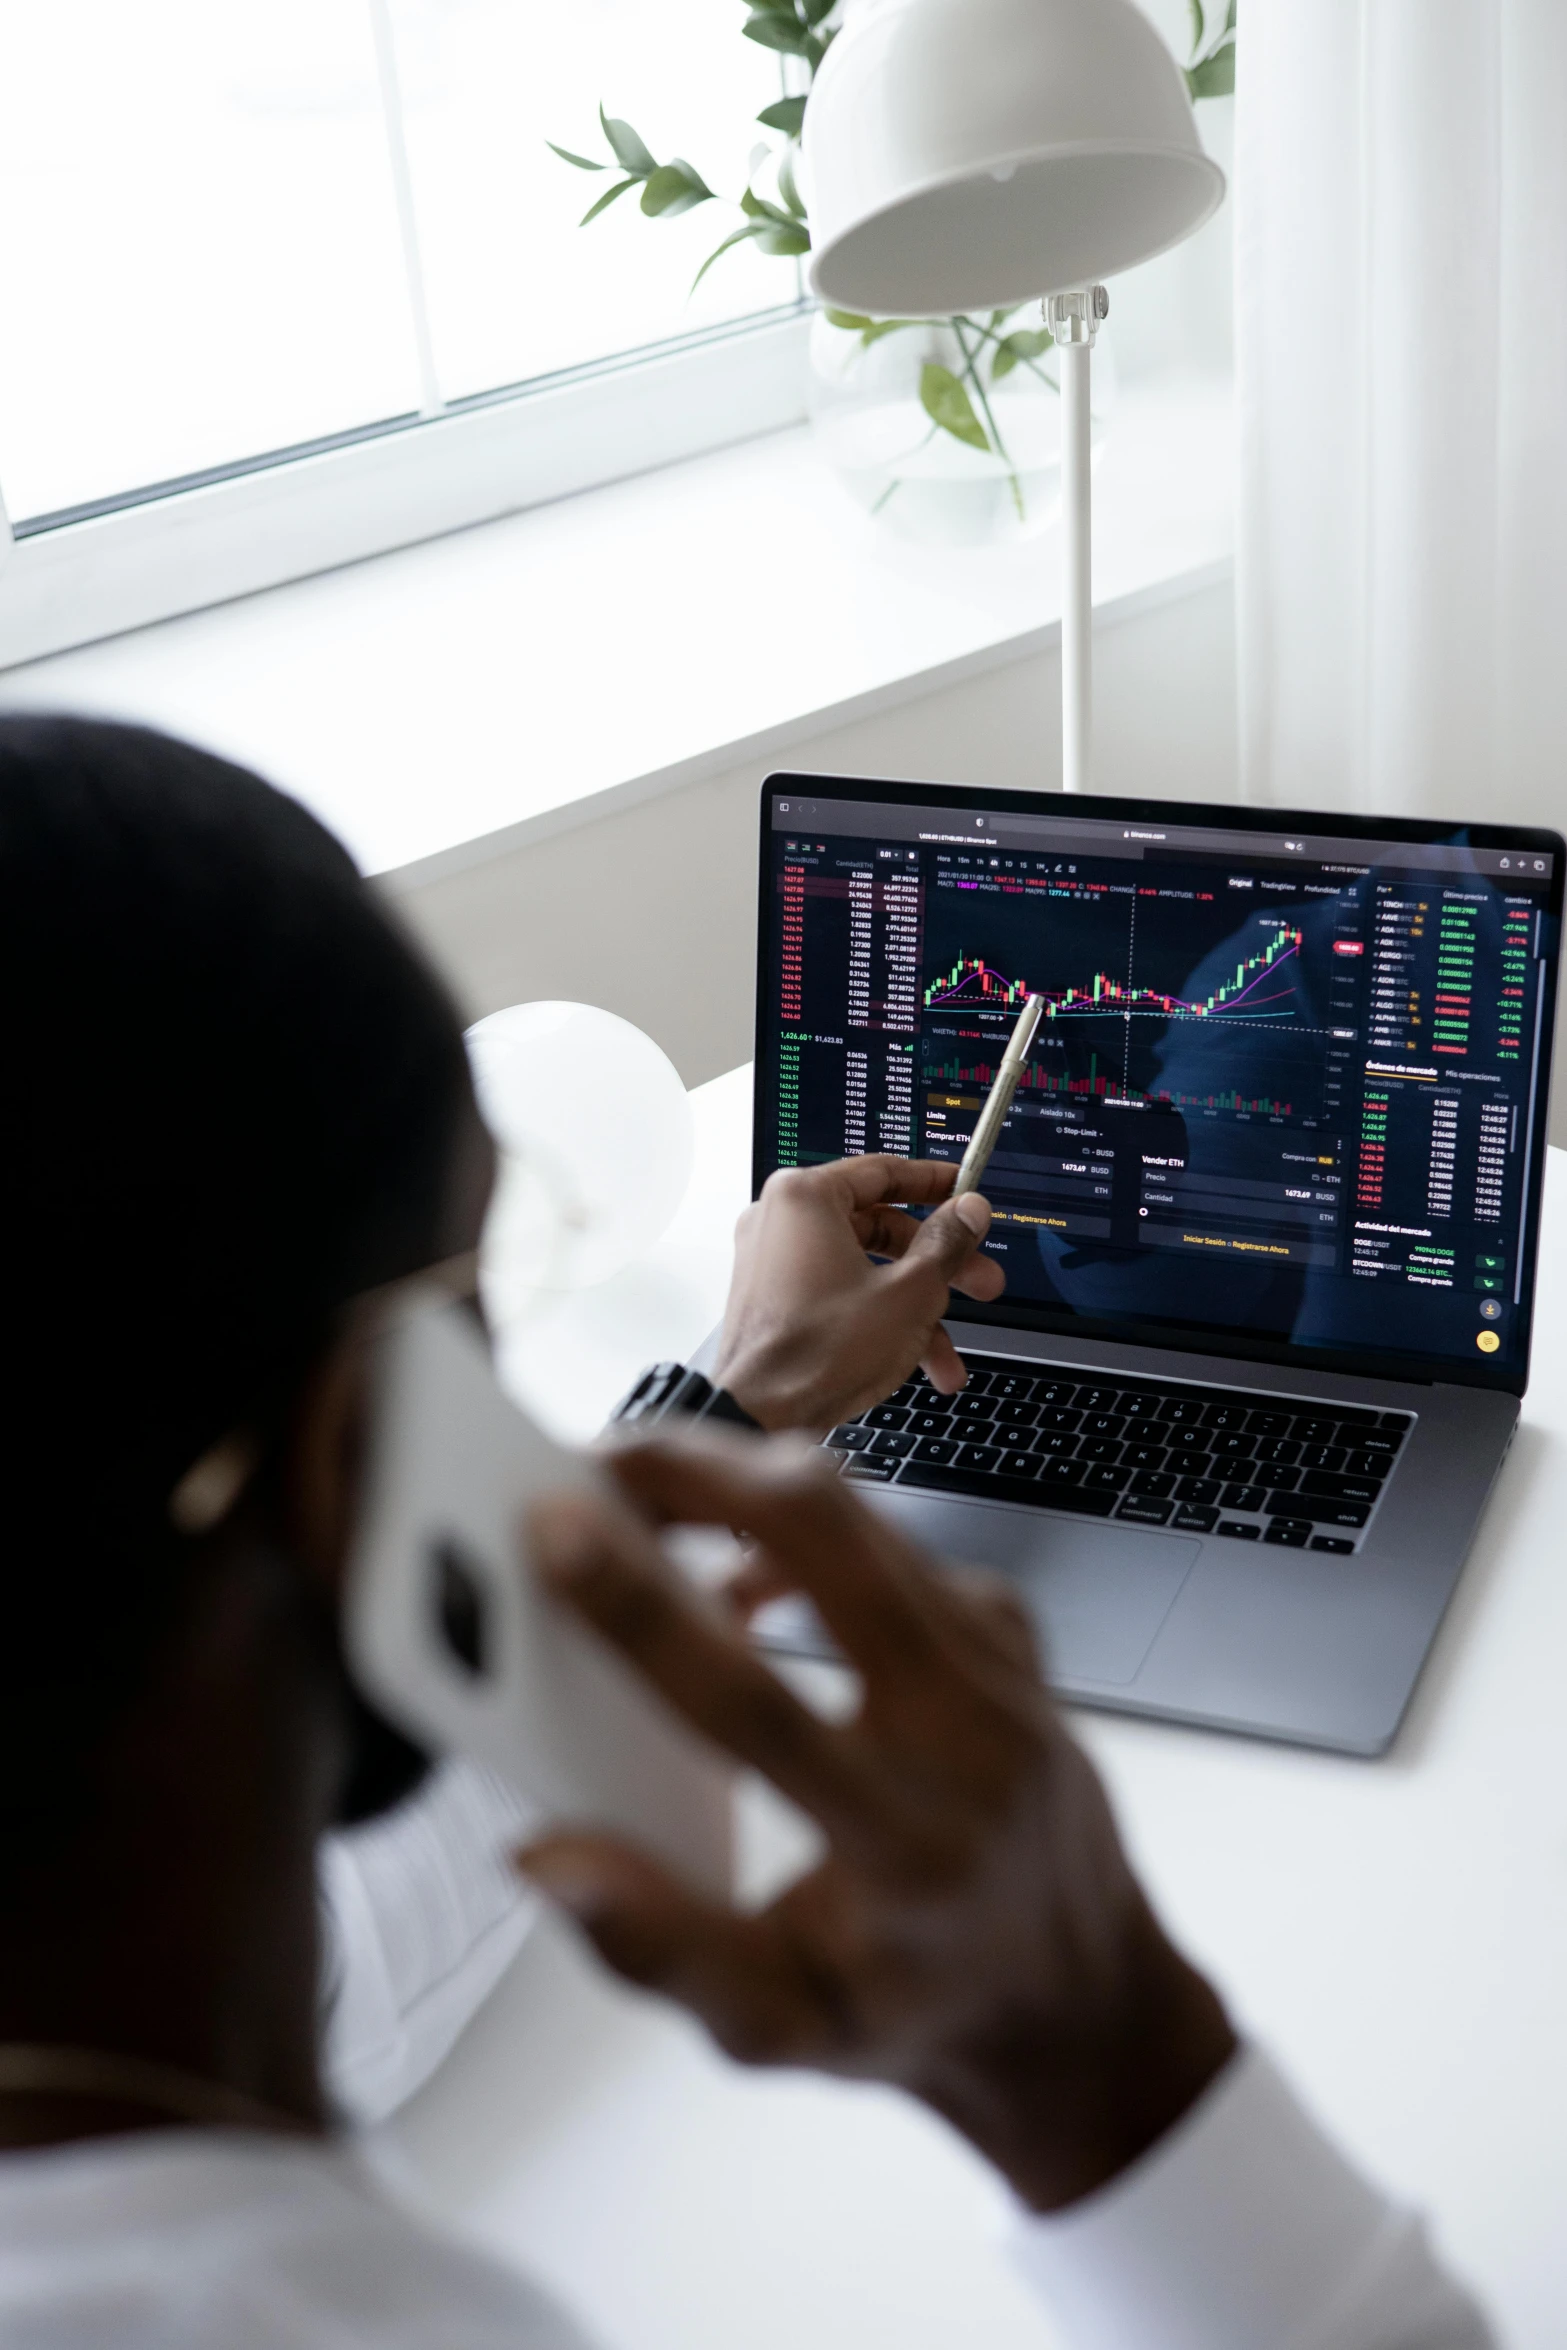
<point>1284,1086</point>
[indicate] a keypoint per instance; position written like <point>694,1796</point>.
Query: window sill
<point>455,699</point>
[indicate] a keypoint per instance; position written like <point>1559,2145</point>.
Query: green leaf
<point>948,405</point>
<point>1199,26</point>
<point>1213,77</point>
<point>850,321</point>
<point>1028,343</point>
<point>606,200</point>
<point>1229,17</point>
<point>786,115</point>
<point>757,208</point>
<point>786,186</point>
<point>736,237</point>
<point>675,187</point>
<point>785,33</point>
<point>630,153</point>
<point>582,162</point>
<point>877,327</point>
<point>814,10</point>
<point>771,239</point>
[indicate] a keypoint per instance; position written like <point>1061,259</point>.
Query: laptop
<point>1267,1200</point>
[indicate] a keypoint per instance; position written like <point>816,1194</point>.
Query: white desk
<point>1396,1930</point>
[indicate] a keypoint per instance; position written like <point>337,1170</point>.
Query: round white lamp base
<point>594,1131</point>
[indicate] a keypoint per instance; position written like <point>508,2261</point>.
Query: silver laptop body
<point>1268,1203</point>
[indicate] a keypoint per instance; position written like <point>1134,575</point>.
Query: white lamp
<point>971,154</point>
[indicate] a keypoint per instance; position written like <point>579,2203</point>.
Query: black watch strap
<point>669,1388</point>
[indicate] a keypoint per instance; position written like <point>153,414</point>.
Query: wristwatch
<point>669,1388</point>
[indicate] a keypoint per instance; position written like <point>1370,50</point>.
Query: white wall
<point>651,911</point>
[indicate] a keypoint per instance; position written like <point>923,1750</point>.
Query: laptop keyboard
<point>1148,1452</point>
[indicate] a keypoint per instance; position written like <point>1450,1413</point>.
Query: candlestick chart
<point>1202,1005</point>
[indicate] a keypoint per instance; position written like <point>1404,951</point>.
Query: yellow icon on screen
<point>1488,1342</point>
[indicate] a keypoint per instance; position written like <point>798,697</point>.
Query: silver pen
<point>992,1116</point>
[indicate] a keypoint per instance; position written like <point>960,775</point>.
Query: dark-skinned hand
<point>974,1934</point>
<point>814,1332</point>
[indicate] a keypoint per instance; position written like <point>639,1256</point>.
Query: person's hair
<point>231,1096</point>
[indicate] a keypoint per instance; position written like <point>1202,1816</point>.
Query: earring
<point>212,1485</point>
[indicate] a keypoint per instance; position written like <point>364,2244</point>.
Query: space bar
<point>1024,1489</point>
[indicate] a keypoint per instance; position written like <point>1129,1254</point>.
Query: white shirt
<point>1244,2229</point>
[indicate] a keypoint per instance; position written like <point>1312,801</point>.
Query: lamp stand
<point>1074,319</point>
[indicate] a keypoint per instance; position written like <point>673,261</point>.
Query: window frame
<point>180,546</point>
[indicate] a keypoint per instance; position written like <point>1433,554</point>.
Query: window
<point>228,231</point>
<point>233,234</point>
<point>284,285</point>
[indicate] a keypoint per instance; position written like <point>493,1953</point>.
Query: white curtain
<point>1401,319</point>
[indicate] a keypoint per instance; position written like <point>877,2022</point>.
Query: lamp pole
<point>1074,319</point>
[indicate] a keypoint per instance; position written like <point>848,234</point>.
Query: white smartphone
<point>450,1635</point>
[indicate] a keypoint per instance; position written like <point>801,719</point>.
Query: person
<point>239,1108</point>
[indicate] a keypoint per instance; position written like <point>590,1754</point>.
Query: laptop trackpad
<point>1098,1593</point>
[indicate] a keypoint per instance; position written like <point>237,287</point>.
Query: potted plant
<point>948,427</point>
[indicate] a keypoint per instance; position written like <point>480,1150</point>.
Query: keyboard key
<point>1341,1488</point>
<point>1062,1473</point>
<point>886,1415</point>
<point>1354,1418</point>
<point>1375,1465</point>
<point>1199,1489</point>
<point>935,1479</point>
<point>979,1379</point>
<point>1188,1439</point>
<point>1018,1464</point>
<point>1101,1478</point>
<point>1320,1508</point>
<point>1229,1445</point>
<point>1014,1414</point>
<point>1012,1387</point>
<point>1054,1392</point>
<point>1098,1448</point>
<point>1334,1542</point>
<point>978,1456</point>
<point>1281,1480</point>
<point>851,1438</point>
<point>1226,1417</point>
<point>935,1448</point>
<point>894,1442</point>
<point>1280,1449</point>
<point>1143,1512</point>
<point>1098,1399</point>
<point>1322,1456</point>
<point>1056,1416</point>
<point>1244,1497</point>
<point>1182,1411</point>
<point>969,1406</point>
<point>1189,1519</point>
<point>1312,1430</point>
<point>1380,1441</point>
<point>1269,1424</point>
<point>1238,1530</point>
<point>1142,1407</point>
<point>1396,1424</point>
<point>1052,1440</point>
<point>1286,1536</point>
<point>929,1423</point>
<point>868,1468</point>
<point>1143,1456</point>
<point>1155,1483</point>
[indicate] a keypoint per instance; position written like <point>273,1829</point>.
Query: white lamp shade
<point>969,154</point>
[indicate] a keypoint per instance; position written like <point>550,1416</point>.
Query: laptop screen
<point>1287,1094</point>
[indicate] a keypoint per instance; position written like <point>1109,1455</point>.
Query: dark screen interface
<point>1280,1088</point>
